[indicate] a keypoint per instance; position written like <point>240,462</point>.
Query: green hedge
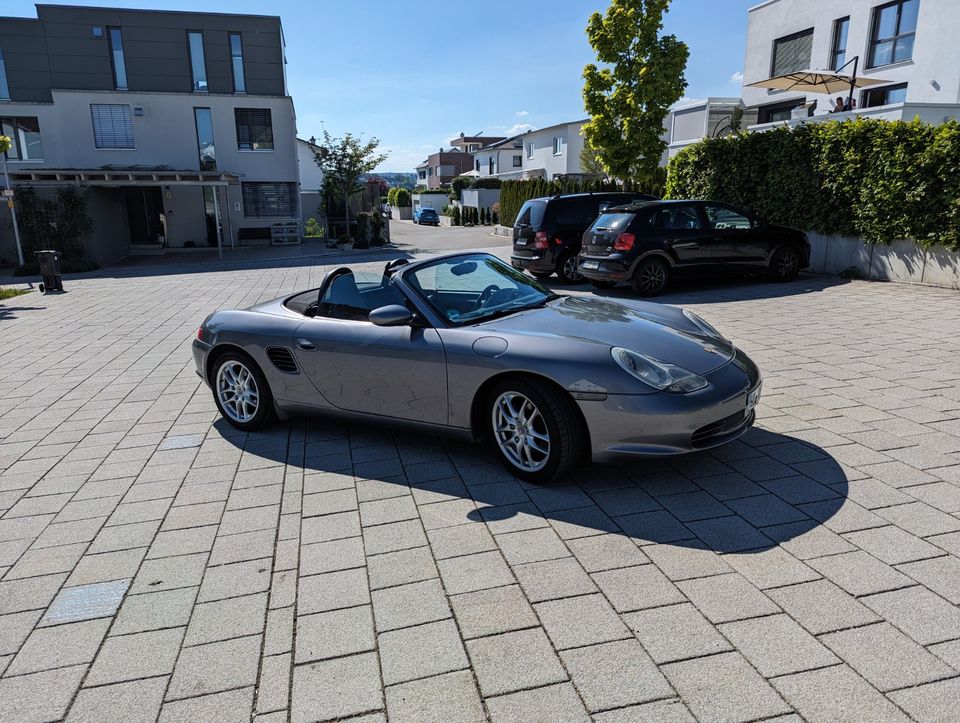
<point>877,179</point>
<point>513,194</point>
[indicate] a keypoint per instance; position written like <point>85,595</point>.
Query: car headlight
<point>659,375</point>
<point>704,326</point>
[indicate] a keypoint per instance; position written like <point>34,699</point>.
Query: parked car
<point>548,231</point>
<point>647,244</point>
<point>466,345</point>
<point>426,215</point>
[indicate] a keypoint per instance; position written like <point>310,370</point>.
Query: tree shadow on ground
<point>748,496</point>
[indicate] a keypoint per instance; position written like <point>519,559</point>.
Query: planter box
<point>446,221</point>
<point>404,213</point>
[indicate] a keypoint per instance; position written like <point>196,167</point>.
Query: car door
<point>398,372</point>
<point>736,243</point>
<point>680,227</point>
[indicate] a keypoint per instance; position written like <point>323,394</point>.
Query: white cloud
<point>522,113</point>
<point>737,78</point>
<point>514,130</point>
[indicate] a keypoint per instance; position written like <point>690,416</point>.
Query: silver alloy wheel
<point>521,431</point>
<point>787,264</point>
<point>571,270</point>
<point>237,391</point>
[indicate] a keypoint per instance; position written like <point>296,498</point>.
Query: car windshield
<point>472,288</point>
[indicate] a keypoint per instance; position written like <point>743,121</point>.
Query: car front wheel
<point>785,264</point>
<point>241,392</point>
<point>651,277</point>
<point>534,429</point>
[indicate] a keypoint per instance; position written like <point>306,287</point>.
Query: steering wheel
<point>485,295</point>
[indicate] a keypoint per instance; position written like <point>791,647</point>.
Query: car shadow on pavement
<point>763,490</point>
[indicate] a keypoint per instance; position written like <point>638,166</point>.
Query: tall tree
<point>344,161</point>
<point>629,96</point>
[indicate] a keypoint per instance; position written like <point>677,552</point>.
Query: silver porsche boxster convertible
<point>465,344</point>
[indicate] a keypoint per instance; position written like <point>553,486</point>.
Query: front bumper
<point>665,424</point>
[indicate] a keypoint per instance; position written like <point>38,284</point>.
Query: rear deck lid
<point>601,236</point>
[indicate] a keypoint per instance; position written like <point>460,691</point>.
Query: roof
<point>595,193</point>
<point>515,140</point>
<point>556,125</point>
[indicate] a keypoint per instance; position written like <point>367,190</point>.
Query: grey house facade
<point>165,121</point>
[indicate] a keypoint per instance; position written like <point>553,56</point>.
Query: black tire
<point>542,275</point>
<point>600,284</point>
<point>560,416</point>
<point>651,277</point>
<point>567,270</point>
<point>785,264</point>
<point>265,412</point>
<point>41,287</point>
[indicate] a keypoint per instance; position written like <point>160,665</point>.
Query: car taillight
<point>624,242</point>
<point>558,240</point>
<point>201,334</point>
<point>540,241</point>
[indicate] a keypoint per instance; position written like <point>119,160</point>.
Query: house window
<point>269,200</point>
<point>792,52</point>
<point>557,145</point>
<point>25,136</point>
<point>477,165</point>
<point>254,129</point>
<point>838,53</point>
<point>112,125</point>
<point>208,154</point>
<point>198,63</point>
<point>4,86</point>
<point>518,161</point>
<point>491,166</point>
<point>884,96</point>
<point>422,175</point>
<point>894,28</point>
<point>430,171</point>
<point>530,150</point>
<point>236,62</point>
<point>473,147</point>
<point>778,111</point>
<point>116,59</point>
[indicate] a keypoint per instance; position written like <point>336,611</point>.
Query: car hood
<point>658,331</point>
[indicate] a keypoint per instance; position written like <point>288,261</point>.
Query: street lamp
<point>5,143</point>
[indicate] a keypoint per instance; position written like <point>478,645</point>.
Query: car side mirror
<point>391,315</point>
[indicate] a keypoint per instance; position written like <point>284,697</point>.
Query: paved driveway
<point>153,562</point>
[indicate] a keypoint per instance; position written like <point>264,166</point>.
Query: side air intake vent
<point>282,359</point>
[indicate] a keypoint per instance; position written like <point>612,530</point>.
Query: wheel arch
<point>218,351</point>
<point>659,253</point>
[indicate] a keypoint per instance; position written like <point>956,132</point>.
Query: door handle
<point>306,345</point>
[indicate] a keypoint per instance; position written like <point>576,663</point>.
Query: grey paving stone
<point>849,517</point>
<point>137,701</point>
<point>14,629</point>
<point>448,513</point>
<point>59,646</point>
<point>859,574</point>
<point>724,687</point>
<point>474,572</point>
<point>332,590</point>
<point>243,547</point>
<point>239,578</point>
<point>804,542</point>
<point>931,701</point>
<point>941,574</point>
<point>510,518</point>
<point>393,537</point>
<point>169,573</point>
<point>531,546</point>
<point>771,568</point>
<point>230,618</point>
<point>553,579</point>
<point>141,655</point>
<point>893,545</point>
<point>182,542</point>
<point>330,527</point>
<point>41,696</point>
<point>215,708</point>
<point>730,534</point>
<point>724,598</point>
<point>822,607</point>
<point>490,612</point>
<point>421,651</point>
<point>576,621</point>
<point>635,588</point>
<point>606,552</point>
<point>948,652</point>
<point>682,562</point>
<point>215,667</point>
<point>406,605</point>
<point>461,540</point>
<point>399,568</point>
<point>45,561</point>
<point>918,612</point>
<point>449,697</point>
<point>581,522</point>
<point>675,632</point>
<point>332,556</point>
<point>613,675</point>
<point>886,657</point>
<point>514,661</point>
<point>690,506</point>
<point>658,526</point>
<point>393,509</point>
<point>776,645</point>
<point>835,693</point>
<point>662,711</point>
<point>334,634</point>
<point>554,702</point>
<point>106,566</point>
<point>152,611</point>
<point>86,602</point>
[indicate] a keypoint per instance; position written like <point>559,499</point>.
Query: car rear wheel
<point>785,264</point>
<point>241,392</point>
<point>651,277</point>
<point>534,429</point>
<point>600,284</point>
<point>568,271</point>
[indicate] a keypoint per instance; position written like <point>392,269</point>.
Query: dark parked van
<point>647,244</point>
<point>547,232</point>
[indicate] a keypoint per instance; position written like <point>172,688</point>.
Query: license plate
<point>753,398</point>
<point>521,242</point>
<point>590,265</point>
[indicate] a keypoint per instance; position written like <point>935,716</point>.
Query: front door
<point>397,372</point>
<point>144,209</point>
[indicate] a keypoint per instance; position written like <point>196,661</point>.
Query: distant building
<point>503,158</point>
<point>442,167</point>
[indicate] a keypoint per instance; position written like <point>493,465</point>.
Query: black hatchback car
<point>548,231</point>
<point>647,244</point>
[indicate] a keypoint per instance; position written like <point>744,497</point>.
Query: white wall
<point>311,177</point>
<point>936,52</point>
<point>568,161</point>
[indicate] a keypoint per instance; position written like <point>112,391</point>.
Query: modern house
<point>553,151</point>
<point>472,144</point>
<point>690,122</point>
<point>911,45</point>
<point>442,167</point>
<point>167,122</point>
<point>503,158</point>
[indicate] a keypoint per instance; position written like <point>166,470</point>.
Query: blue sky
<point>416,74</point>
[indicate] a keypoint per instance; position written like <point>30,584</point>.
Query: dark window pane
<point>677,218</point>
<point>116,55</point>
<point>254,129</point>
<point>208,154</point>
<point>4,87</point>
<point>236,58</point>
<point>198,67</point>
<point>28,137</point>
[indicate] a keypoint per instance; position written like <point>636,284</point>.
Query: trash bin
<point>50,271</point>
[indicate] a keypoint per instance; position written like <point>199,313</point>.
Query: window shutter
<point>792,53</point>
<point>269,200</point>
<point>112,125</point>
<point>254,128</point>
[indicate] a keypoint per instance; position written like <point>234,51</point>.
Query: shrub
<point>363,231</point>
<point>377,223</point>
<point>881,180</point>
<point>495,210</point>
<point>312,229</point>
<point>392,196</point>
<point>455,216</point>
<point>402,198</point>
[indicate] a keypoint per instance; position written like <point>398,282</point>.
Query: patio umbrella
<point>819,81</point>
